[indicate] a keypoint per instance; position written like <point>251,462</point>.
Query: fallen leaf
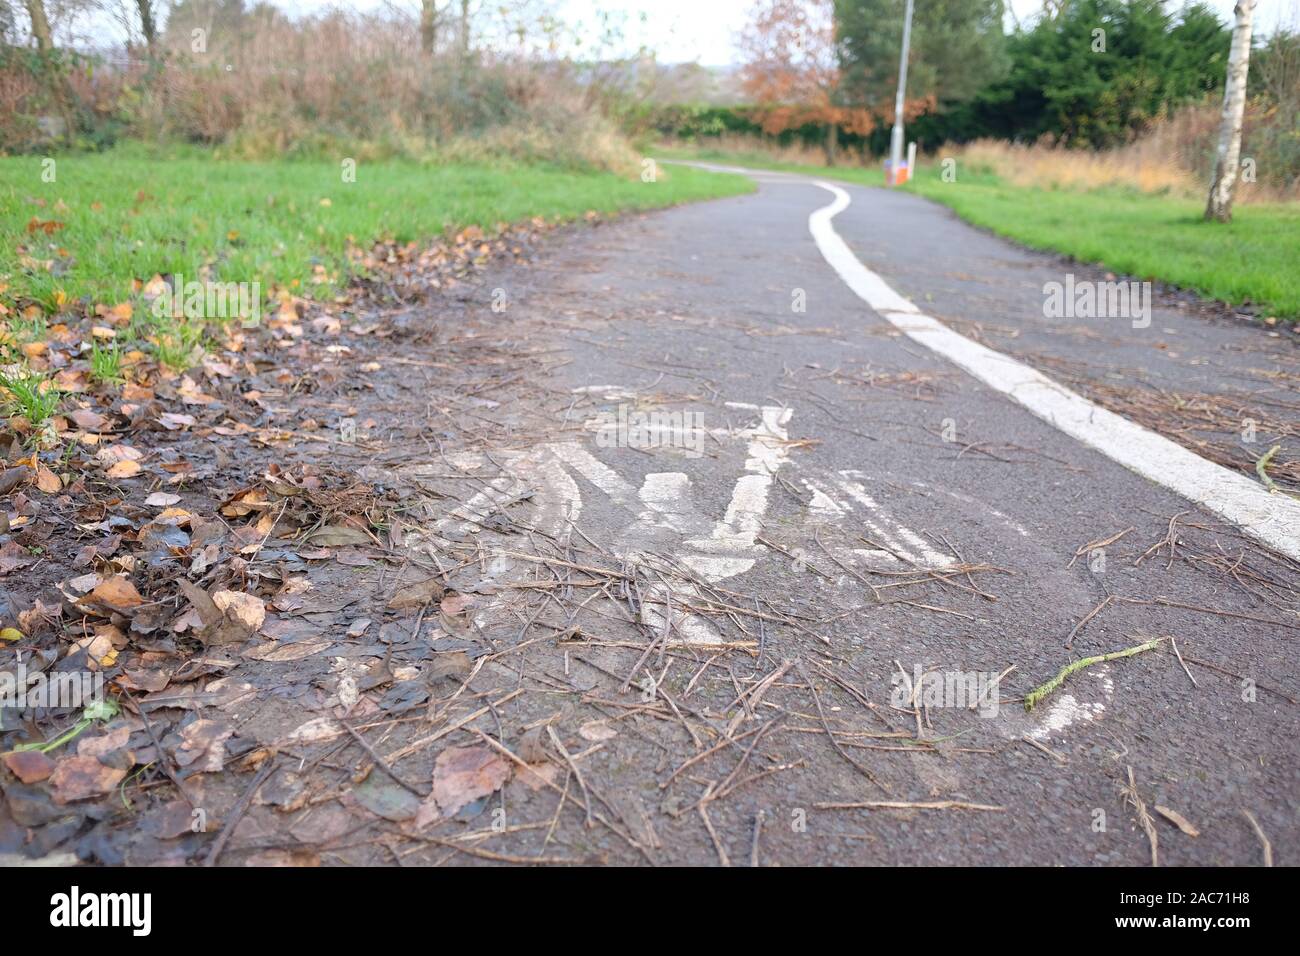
<point>338,535</point>
<point>80,778</point>
<point>246,610</point>
<point>596,731</point>
<point>419,594</point>
<point>116,594</point>
<point>124,469</point>
<point>30,766</point>
<point>202,746</point>
<point>47,480</point>
<point>462,775</point>
<point>175,422</point>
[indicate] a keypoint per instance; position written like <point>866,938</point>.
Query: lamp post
<point>896,138</point>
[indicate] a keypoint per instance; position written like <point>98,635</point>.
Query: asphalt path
<point>854,464</point>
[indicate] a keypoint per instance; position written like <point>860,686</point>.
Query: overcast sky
<point>701,31</point>
<point>704,30</point>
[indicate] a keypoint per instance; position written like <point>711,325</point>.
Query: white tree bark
<point>1228,160</point>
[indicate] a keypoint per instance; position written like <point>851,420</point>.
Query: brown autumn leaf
<point>114,594</point>
<point>47,226</point>
<point>173,421</point>
<point>124,469</point>
<point>87,419</point>
<point>47,481</point>
<point>29,766</point>
<point>246,611</point>
<point>419,594</point>
<point>201,747</point>
<point>80,778</point>
<point>462,775</point>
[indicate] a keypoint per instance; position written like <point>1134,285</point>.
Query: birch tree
<point>1219,207</point>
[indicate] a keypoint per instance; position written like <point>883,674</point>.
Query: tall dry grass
<point>771,150</point>
<point>1175,156</point>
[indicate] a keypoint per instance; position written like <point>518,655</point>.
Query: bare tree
<point>1219,207</point>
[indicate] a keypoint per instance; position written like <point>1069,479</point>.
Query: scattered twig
<point>1036,695</point>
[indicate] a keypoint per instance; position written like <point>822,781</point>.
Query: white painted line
<point>1270,518</point>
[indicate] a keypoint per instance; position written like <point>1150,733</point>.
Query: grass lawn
<point>132,214</point>
<point>1255,259</point>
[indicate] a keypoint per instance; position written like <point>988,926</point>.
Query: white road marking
<point>1066,709</point>
<point>1271,519</point>
<point>730,549</point>
<point>915,549</point>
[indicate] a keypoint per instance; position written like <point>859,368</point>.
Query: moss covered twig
<point>1261,468</point>
<point>1036,695</point>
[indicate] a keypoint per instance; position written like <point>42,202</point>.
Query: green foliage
<point>957,48</point>
<point>106,363</point>
<point>24,392</point>
<point>1098,71</point>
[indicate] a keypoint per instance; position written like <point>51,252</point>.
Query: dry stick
<point>708,825</point>
<point>756,694</point>
<point>904,805</point>
<point>1099,543</point>
<point>1069,641</point>
<point>831,734</point>
<point>726,786</point>
<point>489,855</point>
<point>520,762</point>
<point>573,767</point>
<point>1224,670</point>
<point>722,744</point>
<point>1259,832</point>
<point>1038,693</point>
<point>162,754</point>
<point>1179,655</point>
<point>1132,796</point>
<point>423,742</point>
<point>379,761</point>
<point>237,812</point>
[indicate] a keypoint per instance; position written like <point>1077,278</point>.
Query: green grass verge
<point>132,213</point>
<point>1253,260</point>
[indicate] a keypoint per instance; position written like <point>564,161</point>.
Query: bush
<point>340,84</point>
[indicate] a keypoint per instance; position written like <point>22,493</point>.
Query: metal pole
<point>896,139</point>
